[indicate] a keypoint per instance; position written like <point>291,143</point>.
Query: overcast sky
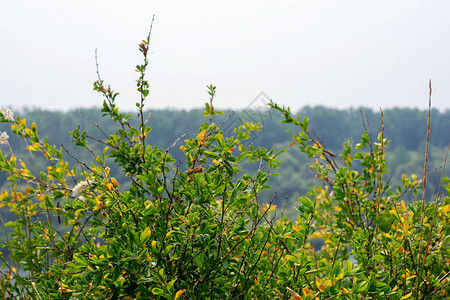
<point>333,53</point>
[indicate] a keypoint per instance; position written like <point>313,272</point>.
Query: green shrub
<point>196,229</point>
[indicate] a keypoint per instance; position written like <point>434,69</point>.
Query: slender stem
<point>422,215</point>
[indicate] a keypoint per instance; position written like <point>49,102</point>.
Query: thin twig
<point>426,161</point>
<point>422,215</point>
<point>175,142</point>
<point>435,208</point>
<point>93,123</point>
<point>34,286</point>
<point>380,174</point>
<point>426,154</point>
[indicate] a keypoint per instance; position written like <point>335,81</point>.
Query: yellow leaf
<point>403,205</point>
<point>179,293</point>
<point>406,296</point>
<point>100,204</point>
<point>219,136</point>
<point>78,211</point>
<point>23,164</point>
<point>306,291</point>
<point>405,228</point>
<point>388,235</point>
<point>320,285</point>
<point>294,294</point>
<point>4,195</point>
<point>290,258</point>
<point>202,135</point>
<point>394,212</point>
<point>32,148</point>
<point>114,182</point>
<point>147,231</point>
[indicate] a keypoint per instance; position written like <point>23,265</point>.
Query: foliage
<point>296,178</point>
<point>197,228</point>
<point>401,251</point>
<point>199,233</point>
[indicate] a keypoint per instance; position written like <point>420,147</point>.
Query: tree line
<point>406,128</point>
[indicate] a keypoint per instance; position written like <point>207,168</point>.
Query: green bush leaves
<point>196,229</point>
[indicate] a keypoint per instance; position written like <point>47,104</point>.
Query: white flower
<point>4,138</point>
<point>81,186</point>
<point>7,114</point>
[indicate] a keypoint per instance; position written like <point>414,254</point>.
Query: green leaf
<point>145,235</point>
<point>307,204</point>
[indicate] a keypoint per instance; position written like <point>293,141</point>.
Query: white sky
<point>334,53</point>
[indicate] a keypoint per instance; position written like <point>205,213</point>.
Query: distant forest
<point>405,127</point>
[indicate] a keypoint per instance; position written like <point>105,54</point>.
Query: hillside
<point>406,127</point>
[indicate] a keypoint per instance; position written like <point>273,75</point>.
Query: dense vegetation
<point>405,127</point>
<point>141,210</point>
